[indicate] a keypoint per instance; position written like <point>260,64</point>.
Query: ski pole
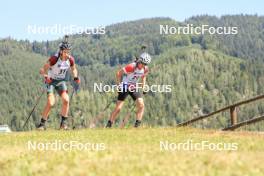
<point>126,118</point>
<point>100,115</point>
<point>31,112</point>
<point>71,114</point>
<point>143,49</point>
<point>74,90</point>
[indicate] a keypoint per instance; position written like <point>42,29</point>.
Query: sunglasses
<point>66,52</point>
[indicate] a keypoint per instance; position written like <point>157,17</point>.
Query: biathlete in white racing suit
<point>54,73</point>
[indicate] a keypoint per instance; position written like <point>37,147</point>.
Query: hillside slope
<point>146,151</point>
<point>201,80</point>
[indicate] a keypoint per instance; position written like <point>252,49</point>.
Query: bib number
<point>62,72</point>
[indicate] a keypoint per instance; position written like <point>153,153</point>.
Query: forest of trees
<point>206,72</point>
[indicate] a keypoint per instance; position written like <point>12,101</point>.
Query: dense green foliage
<point>247,44</point>
<point>206,72</point>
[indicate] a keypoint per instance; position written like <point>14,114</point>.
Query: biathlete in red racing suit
<point>127,79</point>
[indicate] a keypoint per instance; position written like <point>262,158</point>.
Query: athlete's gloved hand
<point>76,83</point>
<point>47,80</point>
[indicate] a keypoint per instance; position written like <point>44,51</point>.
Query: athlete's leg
<point>46,111</point>
<point>118,107</point>
<point>64,110</point>
<point>61,88</point>
<point>140,108</point>
<point>119,104</point>
<point>50,103</point>
<point>65,104</point>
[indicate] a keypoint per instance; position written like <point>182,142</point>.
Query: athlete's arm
<point>74,71</point>
<point>126,70</point>
<point>119,74</point>
<point>73,68</point>
<point>144,78</point>
<point>143,82</point>
<point>44,70</point>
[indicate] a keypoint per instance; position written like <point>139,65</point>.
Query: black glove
<point>76,84</point>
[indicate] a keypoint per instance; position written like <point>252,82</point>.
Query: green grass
<point>132,152</point>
